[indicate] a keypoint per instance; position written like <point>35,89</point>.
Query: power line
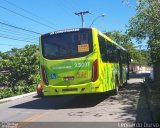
<point>30,13</point>
<point>5,28</point>
<point>10,45</point>
<point>16,39</point>
<point>19,28</point>
<point>19,37</point>
<point>71,5</point>
<point>65,11</point>
<point>65,5</point>
<point>27,17</point>
<point>12,38</point>
<point>16,33</point>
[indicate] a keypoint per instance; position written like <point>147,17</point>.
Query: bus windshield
<point>67,45</point>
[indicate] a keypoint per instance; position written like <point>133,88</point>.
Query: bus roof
<point>64,31</point>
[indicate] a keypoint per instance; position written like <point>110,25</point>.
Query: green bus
<point>81,61</point>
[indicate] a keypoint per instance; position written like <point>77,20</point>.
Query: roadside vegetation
<point>145,25</point>
<point>19,71</point>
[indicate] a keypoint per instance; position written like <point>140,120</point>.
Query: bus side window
<point>109,51</point>
<point>103,49</point>
<point>112,52</point>
<point>124,57</point>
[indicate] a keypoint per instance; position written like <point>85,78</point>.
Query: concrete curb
<point>146,89</point>
<point>17,97</point>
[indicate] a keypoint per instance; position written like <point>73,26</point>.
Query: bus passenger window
<point>103,48</point>
<point>112,52</point>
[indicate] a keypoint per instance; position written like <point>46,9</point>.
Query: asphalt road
<point>128,106</point>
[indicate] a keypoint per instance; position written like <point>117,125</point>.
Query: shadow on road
<point>62,102</point>
<point>128,98</point>
<point>133,95</point>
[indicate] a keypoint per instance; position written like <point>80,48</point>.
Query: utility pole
<point>82,14</point>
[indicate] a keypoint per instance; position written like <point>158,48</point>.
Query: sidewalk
<point>17,97</point>
<point>152,90</point>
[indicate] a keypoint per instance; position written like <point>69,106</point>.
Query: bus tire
<point>125,84</point>
<point>40,94</point>
<point>116,85</point>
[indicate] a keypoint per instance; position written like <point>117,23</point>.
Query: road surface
<point>128,106</point>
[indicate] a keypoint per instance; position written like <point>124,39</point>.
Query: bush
<point>5,92</point>
<point>19,71</point>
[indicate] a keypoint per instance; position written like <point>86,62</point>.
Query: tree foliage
<point>19,69</point>
<point>146,25</point>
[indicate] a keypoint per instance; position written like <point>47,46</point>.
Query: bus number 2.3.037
<point>78,65</point>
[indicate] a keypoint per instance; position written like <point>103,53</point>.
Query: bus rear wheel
<point>116,86</point>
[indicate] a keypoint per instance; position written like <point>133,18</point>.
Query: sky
<point>43,16</point>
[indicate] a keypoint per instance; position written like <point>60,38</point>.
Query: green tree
<point>145,25</point>
<point>20,69</point>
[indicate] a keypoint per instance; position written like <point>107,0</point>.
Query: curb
<point>17,97</point>
<point>146,89</point>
